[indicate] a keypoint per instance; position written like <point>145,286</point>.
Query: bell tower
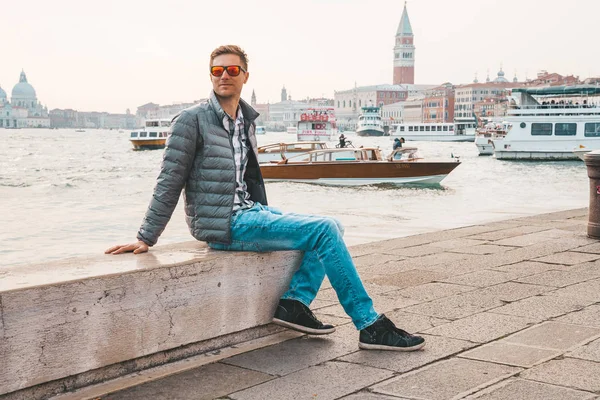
<point>404,52</point>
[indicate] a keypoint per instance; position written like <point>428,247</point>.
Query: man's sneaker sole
<point>303,329</point>
<point>366,346</point>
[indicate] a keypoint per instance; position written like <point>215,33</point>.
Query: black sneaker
<point>295,315</point>
<point>383,335</point>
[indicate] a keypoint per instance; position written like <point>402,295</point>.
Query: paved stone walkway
<point>510,310</point>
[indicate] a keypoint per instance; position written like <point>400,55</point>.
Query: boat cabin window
<point>401,129</point>
<point>565,129</point>
<point>143,134</point>
<point>439,128</point>
<point>370,155</point>
<point>428,128</point>
<point>134,134</point>
<point>592,129</point>
<point>165,123</point>
<point>541,129</point>
<point>445,128</point>
<point>410,128</point>
<point>151,123</point>
<point>153,134</point>
<point>343,156</point>
<point>421,128</point>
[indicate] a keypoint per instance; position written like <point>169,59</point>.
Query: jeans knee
<point>339,225</point>
<point>331,225</point>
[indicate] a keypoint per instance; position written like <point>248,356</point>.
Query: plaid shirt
<point>240,143</point>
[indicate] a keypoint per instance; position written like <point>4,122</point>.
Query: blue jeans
<point>263,228</point>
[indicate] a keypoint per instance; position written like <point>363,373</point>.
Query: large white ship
<point>549,123</point>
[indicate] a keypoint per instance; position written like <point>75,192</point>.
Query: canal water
<point>65,193</point>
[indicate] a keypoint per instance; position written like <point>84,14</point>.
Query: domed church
<point>24,110</point>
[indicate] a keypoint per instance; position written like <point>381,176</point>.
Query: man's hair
<point>230,49</point>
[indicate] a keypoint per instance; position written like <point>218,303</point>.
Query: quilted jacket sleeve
<point>178,158</point>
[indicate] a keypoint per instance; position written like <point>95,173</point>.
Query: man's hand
<point>137,248</point>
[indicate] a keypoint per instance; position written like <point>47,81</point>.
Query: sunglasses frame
<point>225,69</point>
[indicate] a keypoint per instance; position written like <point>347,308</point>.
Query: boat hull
<point>535,155</point>
<point>369,132</point>
<point>360,173</point>
<point>148,144</point>
<point>484,146</point>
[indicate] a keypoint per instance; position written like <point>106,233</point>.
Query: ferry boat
<point>485,136</point>
<point>260,130</point>
<point>432,132</point>
<point>548,123</point>
<point>153,136</point>
<point>281,151</point>
<point>317,124</point>
<point>370,122</point>
<point>358,166</point>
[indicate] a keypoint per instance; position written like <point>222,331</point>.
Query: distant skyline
<point>114,55</point>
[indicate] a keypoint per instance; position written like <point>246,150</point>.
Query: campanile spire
<point>404,51</point>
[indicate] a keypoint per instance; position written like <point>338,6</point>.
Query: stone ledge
<point>62,321</point>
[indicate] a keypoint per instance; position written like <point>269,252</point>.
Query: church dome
<point>23,90</point>
<point>500,77</point>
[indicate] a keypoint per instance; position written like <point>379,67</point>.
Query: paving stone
<point>571,372</point>
<point>554,335</point>
<point>482,327</point>
<point>559,278</point>
<point>543,307</point>
<point>457,306</point>
<point>511,354</point>
<point>409,278</point>
<point>589,316</point>
<point>317,304</point>
<point>589,290</point>
<point>508,233</point>
<point>294,355</point>
<point>568,258</point>
<point>436,348</point>
<point>432,291</point>
<point>414,322</point>
<point>512,389</point>
<point>369,260</point>
<point>513,291</point>
<point>590,248</point>
<point>528,240</point>
<point>419,251</point>
<point>458,243</point>
<point>328,381</point>
<point>446,379</point>
<point>526,268</point>
<point>482,249</point>
<point>590,351</point>
<point>204,383</point>
<point>383,303</point>
<point>364,395</point>
<point>334,320</point>
<point>481,278</point>
<point>443,259</point>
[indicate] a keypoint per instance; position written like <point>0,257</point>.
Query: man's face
<point>226,86</point>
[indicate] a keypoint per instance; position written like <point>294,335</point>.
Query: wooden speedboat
<point>358,166</point>
<point>280,151</point>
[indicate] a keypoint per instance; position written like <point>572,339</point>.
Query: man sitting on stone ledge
<point>211,154</point>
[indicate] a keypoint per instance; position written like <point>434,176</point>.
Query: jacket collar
<point>250,113</point>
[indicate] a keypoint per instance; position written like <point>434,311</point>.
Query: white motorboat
<point>485,136</point>
<point>317,124</point>
<point>548,123</point>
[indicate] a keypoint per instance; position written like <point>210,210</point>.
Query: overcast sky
<point>115,54</point>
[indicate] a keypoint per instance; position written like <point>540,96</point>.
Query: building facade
<point>438,104</point>
<point>24,110</point>
<point>404,52</point>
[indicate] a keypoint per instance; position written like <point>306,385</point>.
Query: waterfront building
<point>438,104</point>
<point>404,52</point>
<point>286,113</point>
<point>262,109</point>
<point>24,110</point>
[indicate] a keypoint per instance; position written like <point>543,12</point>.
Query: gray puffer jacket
<point>198,158</point>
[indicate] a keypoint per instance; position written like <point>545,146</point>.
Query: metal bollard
<point>592,162</point>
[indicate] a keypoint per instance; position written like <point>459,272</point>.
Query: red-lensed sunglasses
<point>232,70</point>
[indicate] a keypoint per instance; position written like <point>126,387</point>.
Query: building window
<point>592,129</point>
<point>565,129</point>
<point>541,129</point>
